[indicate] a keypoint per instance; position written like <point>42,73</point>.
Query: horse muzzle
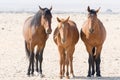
<point>91,30</point>
<point>63,41</point>
<point>49,31</point>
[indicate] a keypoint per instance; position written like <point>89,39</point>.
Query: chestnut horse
<point>66,36</point>
<point>93,34</point>
<point>36,31</point>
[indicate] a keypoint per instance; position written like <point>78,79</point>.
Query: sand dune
<point>14,64</point>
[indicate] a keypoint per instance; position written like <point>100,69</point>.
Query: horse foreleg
<point>32,61</point>
<point>67,64</point>
<point>41,59</point>
<point>90,65</point>
<point>93,63</point>
<point>93,66</point>
<point>90,59</point>
<point>61,63</point>
<point>71,66</point>
<point>37,57</point>
<point>98,60</point>
<point>62,55</point>
<point>29,67</point>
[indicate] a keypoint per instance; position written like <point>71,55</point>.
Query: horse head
<point>92,18</point>
<point>46,19</point>
<point>62,27</point>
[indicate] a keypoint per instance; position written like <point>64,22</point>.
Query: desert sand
<point>14,63</point>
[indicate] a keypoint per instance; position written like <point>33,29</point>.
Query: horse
<point>36,31</point>
<point>66,36</point>
<point>93,34</point>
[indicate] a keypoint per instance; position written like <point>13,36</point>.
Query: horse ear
<point>67,19</point>
<point>50,8</point>
<point>97,10</point>
<point>58,19</point>
<point>88,9</point>
<point>40,8</point>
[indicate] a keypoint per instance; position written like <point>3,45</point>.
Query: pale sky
<point>59,5</point>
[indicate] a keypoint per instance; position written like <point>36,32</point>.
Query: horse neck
<point>36,19</point>
<point>67,30</point>
<point>41,30</point>
<point>97,25</point>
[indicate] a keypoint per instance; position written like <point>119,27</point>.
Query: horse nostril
<point>49,31</point>
<point>91,30</point>
<point>63,41</point>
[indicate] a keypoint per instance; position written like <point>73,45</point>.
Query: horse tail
<point>93,51</point>
<point>27,51</point>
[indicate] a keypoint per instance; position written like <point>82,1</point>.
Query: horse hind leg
<point>98,60</point>
<point>71,67</point>
<point>71,61</point>
<point>64,55</point>
<point>31,64</point>
<point>26,49</point>
<point>28,55</point>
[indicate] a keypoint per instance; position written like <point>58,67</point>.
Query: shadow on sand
<point>96,78</point>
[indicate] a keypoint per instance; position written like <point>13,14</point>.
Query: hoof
<point>88,75</point>
<point>98,75</point>
<point>36,74</point>
<point>73,76</point>
<point>92,75</point>
<point>28,74</point>
<point>61,77</point>
<point>41,75</point>
<point>32,75</point>
<point>67,77</point>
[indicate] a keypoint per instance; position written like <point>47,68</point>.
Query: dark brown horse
<point>66,36</point>
<point>36,31</point>
<point>93,34</point>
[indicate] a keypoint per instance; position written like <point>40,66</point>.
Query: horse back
<point>103,30</point>
<point>55,35</point>
<point>74,31</point>
<point>27,29</point>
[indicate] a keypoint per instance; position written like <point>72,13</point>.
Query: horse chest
<point>39,37</point>
<point>65,45</point>
<point>93,40</point>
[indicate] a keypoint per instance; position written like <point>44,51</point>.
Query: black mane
<point>92,11</point>
<point>37,17</point>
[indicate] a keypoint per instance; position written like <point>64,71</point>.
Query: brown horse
<point>66,36</point>
<point>93,34</point>
<point>35,31</point>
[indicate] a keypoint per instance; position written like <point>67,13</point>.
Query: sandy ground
<point>14,64</point>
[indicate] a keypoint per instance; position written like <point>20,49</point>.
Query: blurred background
<point>59,5</point>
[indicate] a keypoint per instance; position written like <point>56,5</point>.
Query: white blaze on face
<point>62,33</point>
<point>92,14</point>
<point>63,26</point>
